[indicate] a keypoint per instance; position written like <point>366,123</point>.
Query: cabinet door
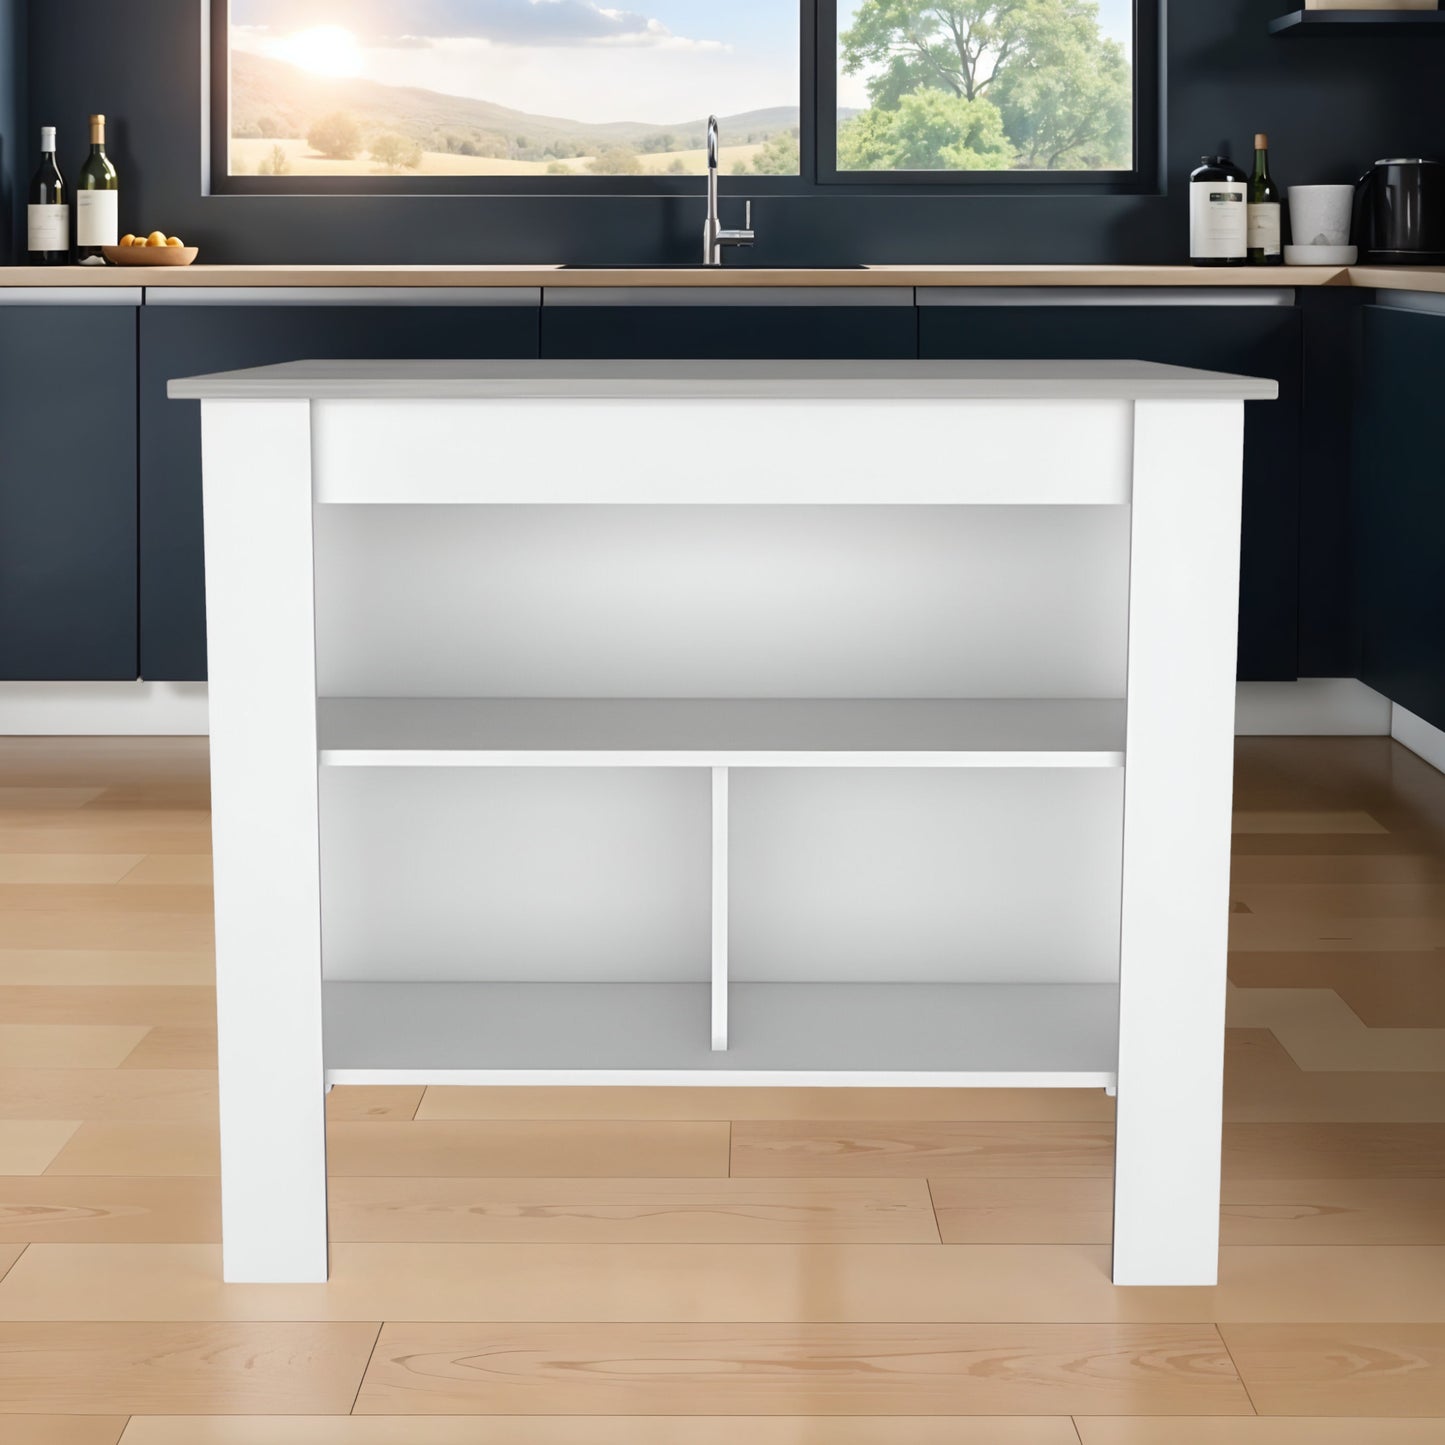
<point>1400,505</point>
<point>67,492</point>
<point>192,340</point>
<point>727,332</point>
<point>1254,340</point>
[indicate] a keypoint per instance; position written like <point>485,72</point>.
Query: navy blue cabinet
<point>1258,340</point>
<point>1400,509</point>
<point>728,331</point>
<point>67,492</point>
<point>187,340</point>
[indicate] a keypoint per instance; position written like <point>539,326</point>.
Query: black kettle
<point>1400,213</point>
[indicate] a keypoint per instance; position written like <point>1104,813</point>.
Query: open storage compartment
<point>722,794</point>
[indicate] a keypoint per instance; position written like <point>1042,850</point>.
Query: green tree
<point>1075,113</point>
<point>779,155</point>
<point>1064,91</point>
<point>558,168</point>
<point>337,136</point>
<point>396,153</point>
<point>615,161</point>
<point>928,131</point>
<point>278,163</point>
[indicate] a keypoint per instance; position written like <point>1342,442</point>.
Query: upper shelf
<point>1359,22</point>
<point>591,732</point>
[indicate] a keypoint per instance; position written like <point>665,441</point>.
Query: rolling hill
<point>272,99</point>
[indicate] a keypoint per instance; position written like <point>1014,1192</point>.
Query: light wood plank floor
<point>695,1267</point>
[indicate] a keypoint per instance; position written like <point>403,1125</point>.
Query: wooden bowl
<point>150,255</point>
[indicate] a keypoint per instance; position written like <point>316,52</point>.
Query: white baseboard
<point>1316,707</point>
<point>1312,707</point>
<point>103,709</point>
<point>1422,738</point>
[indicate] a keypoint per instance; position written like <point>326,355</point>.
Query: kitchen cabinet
<point>1257,340</point>
<point>1400,509</point>
<point>259,329</point>
<point>68,486</point>
<point>863,323</point>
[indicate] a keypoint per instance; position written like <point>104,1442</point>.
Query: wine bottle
<point>97,201</point>
<point>48,214</point>
<point>1218,213</point>
<point>1265,230</point>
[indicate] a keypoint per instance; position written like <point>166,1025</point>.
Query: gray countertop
<point>717,380</point>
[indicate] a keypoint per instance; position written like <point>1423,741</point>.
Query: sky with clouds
<point>670,60</point>
<point>666,60</point>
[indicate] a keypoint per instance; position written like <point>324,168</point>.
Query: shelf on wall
<point>591,732</point>
<point>1359,22</point>
<point>944,1035</point>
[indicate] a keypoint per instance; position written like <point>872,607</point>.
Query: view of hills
<point>273,101</point>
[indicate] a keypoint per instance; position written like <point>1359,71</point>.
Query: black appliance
<point>1400,213</point>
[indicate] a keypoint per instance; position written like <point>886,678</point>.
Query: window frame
<point>1144,176</point>
<point>569,187</point>
<point>818,142</point>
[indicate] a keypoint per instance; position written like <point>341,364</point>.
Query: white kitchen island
<point>722,723</point>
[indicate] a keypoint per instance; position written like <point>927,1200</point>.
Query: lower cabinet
<point>68,491</point>
<point>1257,340</point>
<point>1400,509</point>
<point>189,340</point>
<point>878,326</point>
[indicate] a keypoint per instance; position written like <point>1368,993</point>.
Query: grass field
<point>248,154</point>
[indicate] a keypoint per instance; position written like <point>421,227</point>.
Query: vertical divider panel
<point>719,909</point>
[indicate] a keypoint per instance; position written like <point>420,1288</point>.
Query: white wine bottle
<point>1265,211</point>
<point>48,213</point>
<point>97,201</point>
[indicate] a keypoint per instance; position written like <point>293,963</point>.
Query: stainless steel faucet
<point>714,238</point>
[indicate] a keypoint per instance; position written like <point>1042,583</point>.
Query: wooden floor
<point>697,1267</point>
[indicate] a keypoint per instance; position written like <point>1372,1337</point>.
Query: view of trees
<point>986,85</point>
<point>779,156</point>
<point>337,136</point>
<point>395,153</point>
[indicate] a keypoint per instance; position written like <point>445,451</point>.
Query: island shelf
<point>899,754</point>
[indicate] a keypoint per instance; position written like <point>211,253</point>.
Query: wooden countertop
<point>1398,278</point>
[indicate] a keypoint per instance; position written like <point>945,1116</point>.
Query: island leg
<point>1183,625</point>
<point>265,832</point>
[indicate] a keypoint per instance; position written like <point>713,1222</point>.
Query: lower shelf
<point>782,1034</point>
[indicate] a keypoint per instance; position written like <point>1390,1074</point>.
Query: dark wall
<point>1331,106</point>
<point>14,151</point>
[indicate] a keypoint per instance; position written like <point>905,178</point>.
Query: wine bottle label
<point>97,218</point>
<point>1264,228</point>
<point>1218,220</point>
<point>49,228</point>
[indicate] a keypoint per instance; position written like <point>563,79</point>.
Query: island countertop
<point>723,380</point>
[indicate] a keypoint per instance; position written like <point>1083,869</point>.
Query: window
<point>1040,87</point>
<point>590,96</point>
<point>433,90</point>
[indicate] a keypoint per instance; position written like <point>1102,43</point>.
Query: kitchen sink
<point>699,266</point>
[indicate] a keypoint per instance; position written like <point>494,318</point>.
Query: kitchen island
<point>823,724</point>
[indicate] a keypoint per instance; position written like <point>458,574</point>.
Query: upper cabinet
<point>68,485</point>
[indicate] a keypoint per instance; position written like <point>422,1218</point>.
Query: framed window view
<point>579,97</point>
